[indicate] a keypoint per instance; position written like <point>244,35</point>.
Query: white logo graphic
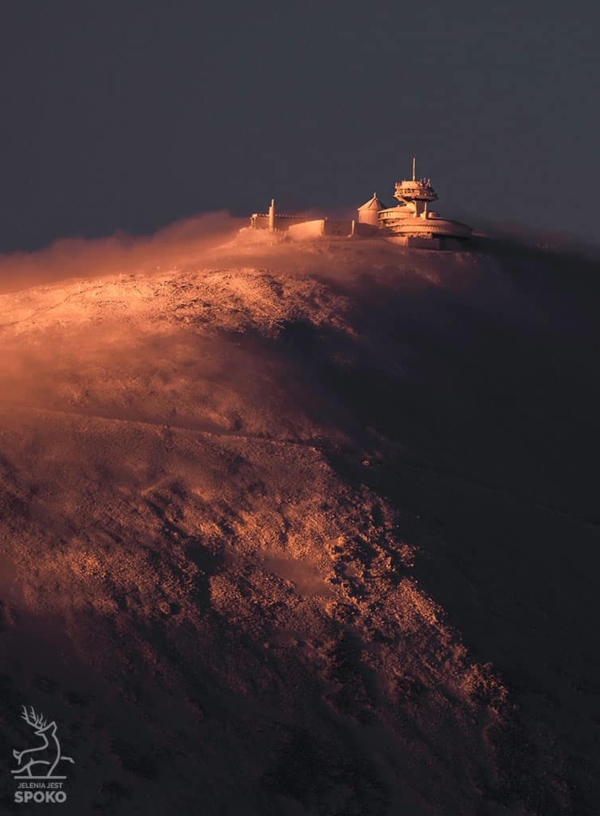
<point>40,762</point>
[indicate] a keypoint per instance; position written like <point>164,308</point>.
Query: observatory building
<point>410,223</point>
<point>412,218</point>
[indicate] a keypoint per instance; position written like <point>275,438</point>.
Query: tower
<point>416,194</point>
<point>272,216</point>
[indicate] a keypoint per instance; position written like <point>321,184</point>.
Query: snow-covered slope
<point>306,531</point>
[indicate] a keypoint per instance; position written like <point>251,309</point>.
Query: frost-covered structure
<point>410,223</point>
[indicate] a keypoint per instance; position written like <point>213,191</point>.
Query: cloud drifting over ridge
<point>67,258</point>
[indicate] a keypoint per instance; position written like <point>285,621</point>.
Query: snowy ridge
<point>285,532</point>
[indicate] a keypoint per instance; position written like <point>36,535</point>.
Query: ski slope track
<point>306,531</point>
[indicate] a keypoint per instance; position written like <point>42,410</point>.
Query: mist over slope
<point>306,530</point>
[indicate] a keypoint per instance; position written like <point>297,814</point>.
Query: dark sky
<point>130,115</point>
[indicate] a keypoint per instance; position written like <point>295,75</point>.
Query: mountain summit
<point>307,531</point>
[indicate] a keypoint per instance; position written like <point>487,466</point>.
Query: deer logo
<point>40,762</point>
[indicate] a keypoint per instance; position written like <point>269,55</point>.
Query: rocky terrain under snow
<point>306,530</point>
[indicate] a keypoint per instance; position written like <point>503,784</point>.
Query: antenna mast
<point>414,178</point>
